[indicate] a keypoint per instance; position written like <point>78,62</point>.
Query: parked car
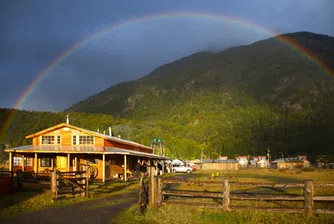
<point>182,169</point>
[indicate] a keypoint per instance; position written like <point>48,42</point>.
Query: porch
<point>107,164</point>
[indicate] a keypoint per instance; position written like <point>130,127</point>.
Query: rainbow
<point>154,17</point>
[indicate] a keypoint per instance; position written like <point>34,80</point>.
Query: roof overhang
<point>82,150</point>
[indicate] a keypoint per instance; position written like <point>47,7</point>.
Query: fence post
<point>159,191</point>
<point>143,195</point>
<point>226,196</point>
<point>54,182</point>
<point>87,183</point>
<point>157,194</point>
<point>308,197</point>
<point>152,187</point>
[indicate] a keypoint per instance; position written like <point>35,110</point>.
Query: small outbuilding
<point>218,164</point>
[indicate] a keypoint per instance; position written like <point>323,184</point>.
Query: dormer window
<point>51,140</point>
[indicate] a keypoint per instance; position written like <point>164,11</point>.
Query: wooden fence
<point>69,183</point>
<point>159,193</point>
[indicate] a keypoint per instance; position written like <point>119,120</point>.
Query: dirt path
<point>95,211</point>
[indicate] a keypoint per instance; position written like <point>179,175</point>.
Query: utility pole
<point>268,154</point>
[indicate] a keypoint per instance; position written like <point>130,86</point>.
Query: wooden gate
<point>66,184</point>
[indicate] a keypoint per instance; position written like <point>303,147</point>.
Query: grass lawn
<point>192,214</point>
<point>28,201</point>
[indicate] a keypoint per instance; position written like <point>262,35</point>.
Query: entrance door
<point>61,163</point>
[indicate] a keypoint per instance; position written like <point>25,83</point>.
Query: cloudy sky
<point>34,34</point>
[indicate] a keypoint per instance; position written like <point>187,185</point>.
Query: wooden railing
<point>159,195</point>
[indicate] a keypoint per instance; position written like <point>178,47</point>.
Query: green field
<point>195,214</point>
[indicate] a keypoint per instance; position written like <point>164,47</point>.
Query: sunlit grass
<point>22,202</point>
<point>195,214</point>
<point>182,214</point>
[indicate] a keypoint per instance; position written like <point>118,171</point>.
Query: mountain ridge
<point>240,67</point>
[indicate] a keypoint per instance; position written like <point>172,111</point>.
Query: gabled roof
<point>93,133</point>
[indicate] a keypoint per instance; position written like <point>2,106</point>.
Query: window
<point>17,161</point>
<point>48,139</point>
<point>27,161</point>
<point>86,140</point>
<point>83,140</point>
<point>45,162</point>
<point>51,139</point>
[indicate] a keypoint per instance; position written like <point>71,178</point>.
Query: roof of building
<point>97,134</point>
<point>81,149</point>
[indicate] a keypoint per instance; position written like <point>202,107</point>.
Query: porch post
<point>124,172</point>
<point>10,161</point>
<point>68,163</point>
<point>35,163</point>
<point>22,163</point>
<point>156,171</point>
<point>52,164</point>
<point>75,163</point>
<point>103,168</point>
<point>163,166</point>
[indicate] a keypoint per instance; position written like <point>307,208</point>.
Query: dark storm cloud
<point>34,33</point>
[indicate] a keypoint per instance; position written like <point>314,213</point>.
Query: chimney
<point>110,133</point>
<point>119,136</point>
<point>67,120</point>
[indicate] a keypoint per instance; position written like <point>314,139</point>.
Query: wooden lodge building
<point>69,148</point>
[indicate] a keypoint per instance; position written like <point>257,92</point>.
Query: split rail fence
<point>159,191</point>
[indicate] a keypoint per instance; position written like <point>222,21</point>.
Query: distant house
<point>325,161</point>
<point>222,157</point>
<point>253,161</point>
<point>291,163</point>
<point>302,157</point>
<point>243,160</point>
<point>262,162</point>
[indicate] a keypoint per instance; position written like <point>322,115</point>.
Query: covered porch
<point>105,163</point>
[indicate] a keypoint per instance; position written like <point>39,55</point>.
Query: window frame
<point>17,161</point>
<point>76,140</point>
<point>56,139</point>
<point>45,163</point>
<point>28,161</point>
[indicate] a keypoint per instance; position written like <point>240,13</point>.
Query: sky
<point>35,34</point>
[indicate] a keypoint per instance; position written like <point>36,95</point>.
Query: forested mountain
<point>268,71</point>
<point>243,100</point>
